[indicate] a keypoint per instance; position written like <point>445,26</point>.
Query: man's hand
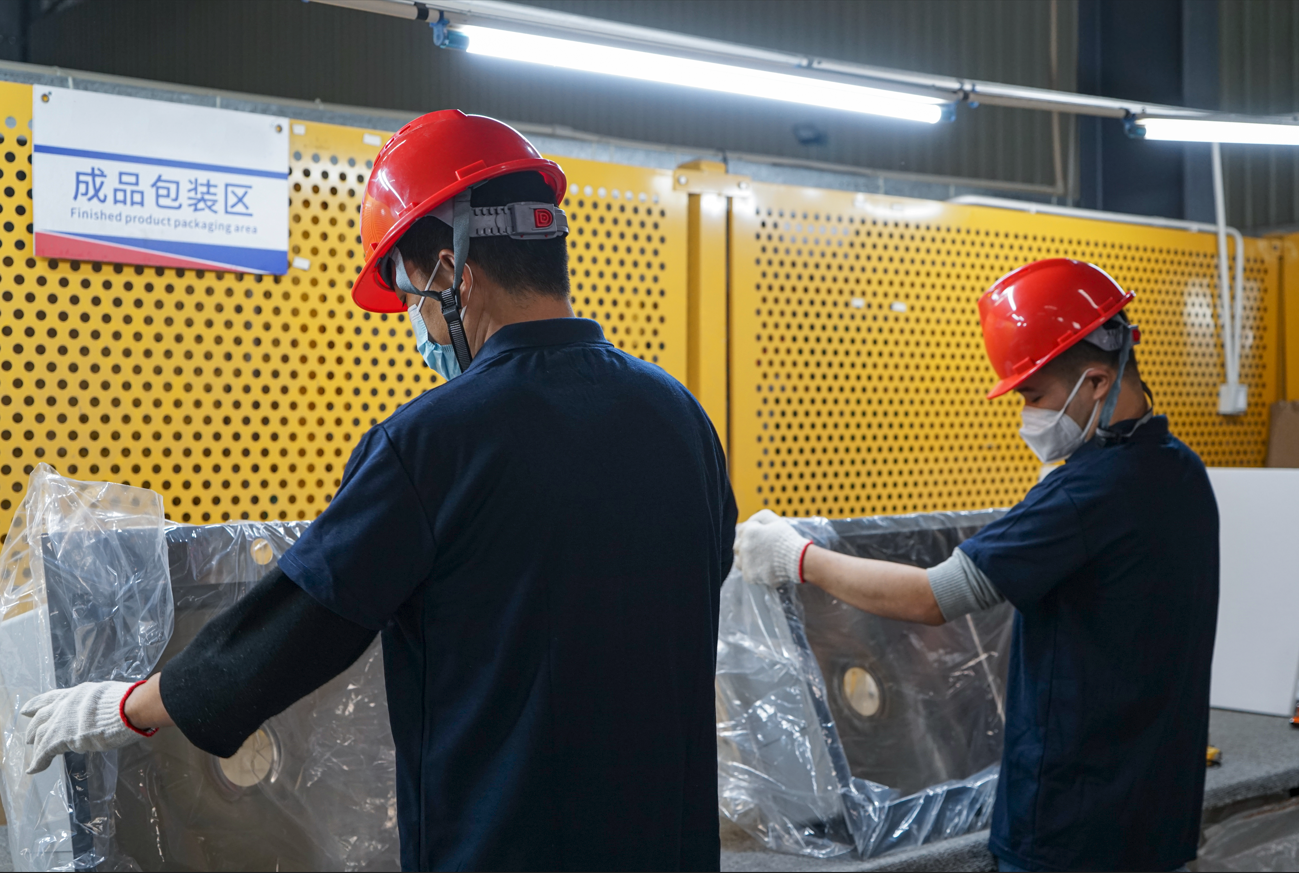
<point>83,718</point>
<point>768,551</point>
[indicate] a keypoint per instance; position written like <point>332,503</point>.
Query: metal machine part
<point>257,760</point>
<point>841,731</point>
<point>313,788</point>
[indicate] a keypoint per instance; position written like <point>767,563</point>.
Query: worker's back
<point>1112,564</point>
<point>545,538</point>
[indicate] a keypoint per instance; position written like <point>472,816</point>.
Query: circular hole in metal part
<point>252,763</point>
<point>262,551</point>
<point>861,691</point>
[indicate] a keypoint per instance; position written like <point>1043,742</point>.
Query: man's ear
<point>466,285</point>
<point>1101,380</point>
<point>447,272</point>
<point>446,268</point>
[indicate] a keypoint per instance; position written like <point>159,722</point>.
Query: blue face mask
<point>440,357</point>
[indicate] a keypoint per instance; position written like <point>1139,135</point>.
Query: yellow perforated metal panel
<point>857,366</point>
<point>233,396</point>
<point>627,257</point>
<point>1288,388</point>
<point>238,396</point>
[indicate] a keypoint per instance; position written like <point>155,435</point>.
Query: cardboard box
<point>1283,438</point>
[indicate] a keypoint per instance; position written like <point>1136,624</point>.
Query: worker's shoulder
<point>495,389</point>
<point>654,385</point>
<point>1185,473</point>
<point>642,370</point>
<point>1173,444</point>
<point>439,402</point>
<point>1161,456</point>
<point>1163,470</point>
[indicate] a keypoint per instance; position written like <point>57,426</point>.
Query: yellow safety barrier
<point>238,396</point>
<point>857,365</point>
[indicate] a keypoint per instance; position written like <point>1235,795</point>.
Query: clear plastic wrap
<point>314,788</point>
<point>840,731</point>
<point>1266,838</point>
<point>108,617</point>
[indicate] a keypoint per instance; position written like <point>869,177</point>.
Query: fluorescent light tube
<point>669,70</point>
<point>1207,130</point>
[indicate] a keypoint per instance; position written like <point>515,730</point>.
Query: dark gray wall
<point>1201,38</point>
<point>1133,51</point>
<point>1259,46</point>
<point>287,48</point>
<point>1164,51</point>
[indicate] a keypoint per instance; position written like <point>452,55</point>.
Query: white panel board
<point>1256,655</point>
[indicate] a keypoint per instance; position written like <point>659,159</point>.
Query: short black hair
<point>520,266</point>
<point>1071,363</point>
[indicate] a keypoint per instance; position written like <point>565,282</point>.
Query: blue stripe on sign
<point>158,162</point>
<point>260,260</point>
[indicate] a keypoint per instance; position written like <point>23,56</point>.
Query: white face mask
<point>1053,435</point>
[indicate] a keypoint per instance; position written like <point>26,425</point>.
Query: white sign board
<point>1256,654</point>
<point>134,181</point>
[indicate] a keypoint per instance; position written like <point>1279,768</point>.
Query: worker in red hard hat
<point>541,543</point>
<point>1111,563</point>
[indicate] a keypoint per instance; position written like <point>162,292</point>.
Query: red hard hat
<point>1032,314</point>
<point>422,166</point>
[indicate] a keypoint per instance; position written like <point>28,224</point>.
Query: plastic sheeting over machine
<point>839,731</point>
<point>97,585</point>
<point>1261,839</point>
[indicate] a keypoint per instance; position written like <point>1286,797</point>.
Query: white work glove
<point>83,718</point>
<point>768,551</point>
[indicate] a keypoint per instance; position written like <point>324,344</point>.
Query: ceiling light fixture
<point>1216,130</point>
<point>706,75</point>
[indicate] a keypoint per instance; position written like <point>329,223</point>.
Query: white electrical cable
<point>1224,289</point>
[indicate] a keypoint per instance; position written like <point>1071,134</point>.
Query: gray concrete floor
<point>1260,756</point>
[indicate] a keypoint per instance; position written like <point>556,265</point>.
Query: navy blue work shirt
<point>1112,565</point>
<point>542,542</point>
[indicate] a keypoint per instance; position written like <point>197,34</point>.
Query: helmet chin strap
<point>1112,400</point>
<point>450,297</point>
<point>1107,411</point>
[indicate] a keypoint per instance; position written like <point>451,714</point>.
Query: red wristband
<point>121,710</point>
<point>801,556</point>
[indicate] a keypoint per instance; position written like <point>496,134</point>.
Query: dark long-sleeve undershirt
<point>273,647</point>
